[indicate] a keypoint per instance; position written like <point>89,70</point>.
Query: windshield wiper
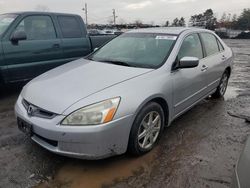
<point>116,62</point>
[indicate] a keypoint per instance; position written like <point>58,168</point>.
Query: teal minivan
<point>32,43</point>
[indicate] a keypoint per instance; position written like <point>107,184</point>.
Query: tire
<point>221,89</point>
<point>145,127</point>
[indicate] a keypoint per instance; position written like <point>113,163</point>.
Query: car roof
<point>40,13</point>
<point>166,30</point>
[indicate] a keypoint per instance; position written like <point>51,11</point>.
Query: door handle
<point>56,46</point>
<point>204,68</point>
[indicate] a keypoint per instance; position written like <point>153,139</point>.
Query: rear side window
<point>210,43</point>
<point>70,27</point>
<point>191,47</point>
<point>37,28</point>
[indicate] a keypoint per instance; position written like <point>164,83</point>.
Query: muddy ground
<point>199,150</point>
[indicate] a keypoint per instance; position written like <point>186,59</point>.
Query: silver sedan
<point>122,96</point>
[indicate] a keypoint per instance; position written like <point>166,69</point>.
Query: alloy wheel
<point>223,84</point>
<point>149,130</point>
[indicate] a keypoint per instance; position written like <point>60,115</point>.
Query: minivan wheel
<point>146,129</point>
<point>221,89</point>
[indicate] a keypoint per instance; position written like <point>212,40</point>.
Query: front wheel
<point>146,129</point>
<point>221,89</point>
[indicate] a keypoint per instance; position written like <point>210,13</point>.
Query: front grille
<point>37,112</point>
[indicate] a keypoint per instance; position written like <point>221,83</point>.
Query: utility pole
<point>85,9</point>
<point>114,16</point>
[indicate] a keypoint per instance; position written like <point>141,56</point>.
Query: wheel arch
<point>161,101</point>
<point>157,99</point>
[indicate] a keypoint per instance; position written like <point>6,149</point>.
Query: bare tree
<point>223,18</point>
<point>204,20</point>
<point>229,17</point>
<point>42,8</point>
<point>175,22</point>
<point>167,23</point>
<point>182,22</point>
<point>234,21</point>
<point>138,23</point>
<point>235,18</point>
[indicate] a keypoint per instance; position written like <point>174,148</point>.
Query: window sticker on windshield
<point>166,37</point>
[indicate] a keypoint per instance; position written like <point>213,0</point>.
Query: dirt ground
<point>199,150</point>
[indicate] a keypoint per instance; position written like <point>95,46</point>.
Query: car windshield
<point>5,21</point>
<point>144,50</point>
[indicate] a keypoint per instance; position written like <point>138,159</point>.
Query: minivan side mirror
<point>17,36</point>
<point>188,62</point>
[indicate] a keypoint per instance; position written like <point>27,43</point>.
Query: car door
<point>75,42</point>
<point>189,84</point>
<point>40,52</point>
<point>214,61</point>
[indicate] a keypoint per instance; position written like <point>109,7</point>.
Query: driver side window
<point>37,28</point>
<point>191,47</point>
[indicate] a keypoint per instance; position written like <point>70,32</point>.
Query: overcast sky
<point>148,11</point>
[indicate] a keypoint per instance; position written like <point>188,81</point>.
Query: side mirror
<point>188,62</point>
<point>17,36</point>
<point>96,49</point>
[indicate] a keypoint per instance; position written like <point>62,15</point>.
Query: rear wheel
<point>146,129</point>
<point>221,89</point>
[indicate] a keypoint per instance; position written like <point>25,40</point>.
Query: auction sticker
<point>166,37</point>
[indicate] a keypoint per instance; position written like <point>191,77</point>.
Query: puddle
<point>97,174</point>
<point>231,93</point>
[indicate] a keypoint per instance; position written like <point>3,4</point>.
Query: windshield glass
<point>144,50</point>
<point>5,21</point>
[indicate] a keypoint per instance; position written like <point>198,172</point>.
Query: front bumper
<point>85,142</point>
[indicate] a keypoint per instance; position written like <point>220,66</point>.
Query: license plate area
<point>24,127</point>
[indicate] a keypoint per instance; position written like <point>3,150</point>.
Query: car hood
<point>58,89</point>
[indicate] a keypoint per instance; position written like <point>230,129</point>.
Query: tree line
<point>176,22</point>
<point>241,22</point>
<point>205,20</point>
<point>208,20</point>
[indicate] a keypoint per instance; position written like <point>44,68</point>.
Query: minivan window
<point>191,47</point>
<point>145,50</point>
<point>210,43</point>
<point>70,27</point>
<point>37,28</point>
<point>5,21</point>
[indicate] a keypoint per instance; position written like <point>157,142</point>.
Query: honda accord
<point>122,96</point>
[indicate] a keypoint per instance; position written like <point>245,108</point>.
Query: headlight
<point>95,114</point>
